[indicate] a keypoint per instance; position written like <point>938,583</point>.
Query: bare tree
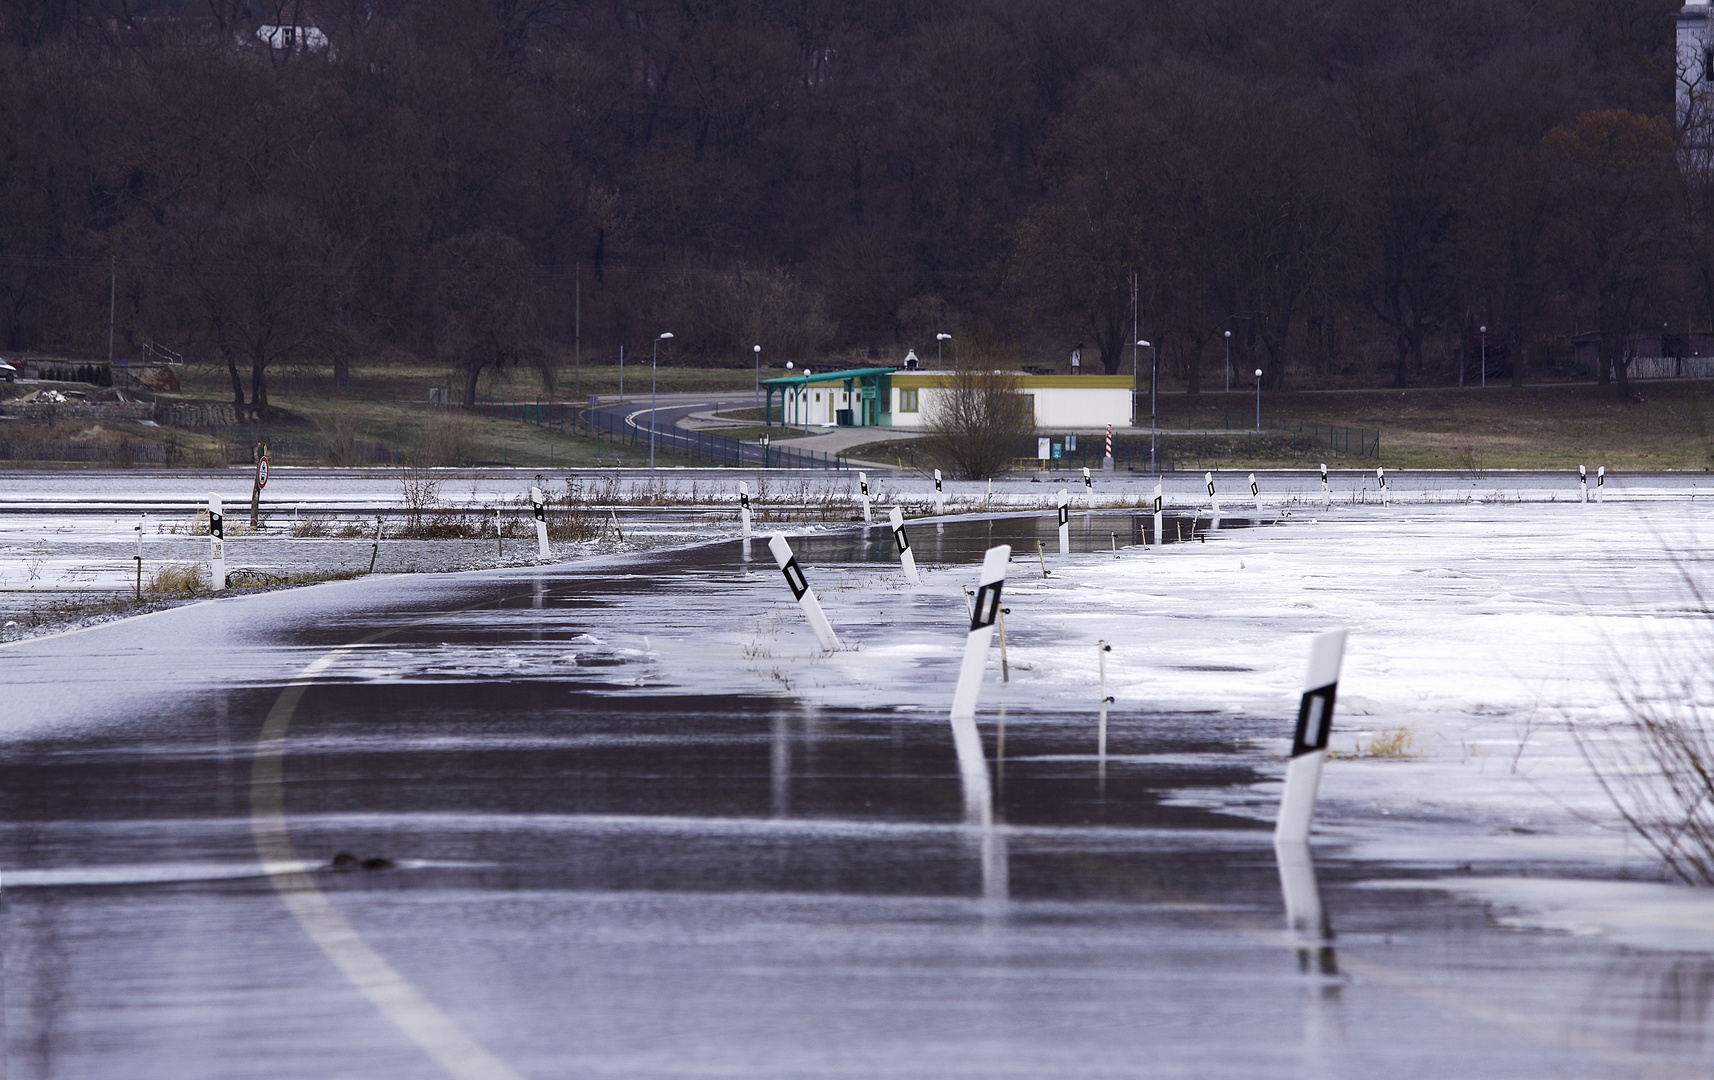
<point>485,316</point>
<point>976,421</point>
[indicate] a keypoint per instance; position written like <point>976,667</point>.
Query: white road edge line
<point>416,1016</point>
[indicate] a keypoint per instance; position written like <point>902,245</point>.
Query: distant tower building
<point>1695,68</point>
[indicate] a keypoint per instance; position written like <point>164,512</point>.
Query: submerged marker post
<point>375,548</point>
<point>1600,481</point>
<point>1256,493</point>
<point>939,495</point>
<point>1101,651</point>
<point>1582,484</point>
<point>1309,742</point>
<point>863,489</point>
<point>907,561</point>
<point>141,521</point>
<point>216,543</point>
<point>1326,492</point>
<point>1159,539</point>
<point>1208,478</point>
<point>744,507</point>
<point>538,506</point>
<point>1064,522</point>
<point>983,616</point>
<point>802,593</point>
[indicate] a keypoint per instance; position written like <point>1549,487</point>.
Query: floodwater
<point>592,867</point>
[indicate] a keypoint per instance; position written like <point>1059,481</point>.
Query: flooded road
<point>589,853</point>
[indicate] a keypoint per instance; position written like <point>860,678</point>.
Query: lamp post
<point>654,364</point>
<point>1154,370</point>
<point>1484,331</point>
<point>938,338</point>
<point>1258,399</point>
<point>621,373</point>
<point>757,349</point>
<point>1228,361</point>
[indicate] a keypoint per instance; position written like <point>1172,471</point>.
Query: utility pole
<point>112,294</point>
<point>577,347</point>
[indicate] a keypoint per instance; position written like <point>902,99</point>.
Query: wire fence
<point>1351,441</point>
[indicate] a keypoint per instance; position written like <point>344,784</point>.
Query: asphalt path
<point>584,862</point>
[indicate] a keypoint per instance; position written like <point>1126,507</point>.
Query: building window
<point>908,400</point>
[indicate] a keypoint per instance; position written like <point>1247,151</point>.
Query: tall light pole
<point>1484,330</point>
<point>1228,361</point>
<point>1154,369</point>
<point>1258,399</point>
<point>757,349</point>
<point>938,338</point>
<point>621,373</point>
<point>654,363</point>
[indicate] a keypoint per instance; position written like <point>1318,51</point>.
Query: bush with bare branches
<point>976,421</point>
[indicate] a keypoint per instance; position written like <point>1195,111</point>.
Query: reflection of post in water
<point>780,768</point>
<point>1312,935</point>
<point>223,793</point>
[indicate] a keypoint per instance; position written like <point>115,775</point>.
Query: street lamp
<point>1154,369</point>
<point>938,338</point>
<point>1258,399</point>
<point>1484,330</point>
<point>654,362</point>
<point>757,349</point>
<point>1228,361</point>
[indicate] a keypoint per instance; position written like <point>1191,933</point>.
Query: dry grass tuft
<point>179,578</point>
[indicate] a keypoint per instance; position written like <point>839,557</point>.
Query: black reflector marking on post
<point>541,513</point>
<point>1064,514</point>
<point>1314,720</point>
<point>794,578</point>
<point>217,525</point>
<point>987,607</point>
<point>1157,504</point>
<point>900,539</point>
<point>744,500</point>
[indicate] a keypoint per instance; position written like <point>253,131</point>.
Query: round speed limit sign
<point>262,472</point>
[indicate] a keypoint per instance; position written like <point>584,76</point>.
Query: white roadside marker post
<point>1256,493</point>
<point>1582,484</point>
<point>744,508</point>
<point>1309,743</point>
<point>802,593</point>
<point>141,521</point>
<point>216,543</point>
<point>907,560</point>
<point>1064,522</point>
<point>939,495</point>
<point>375,548</point>
<point>1381,479</point>
<point>1101,651</point>
<point>539,507</point>
<point>863,489</point>
<point>1326,492</point>
<point>1088,490</point>
<point>1159,539</point>
<point>983,615</point>
<point>1600,481</point>
<point>1208,478</point>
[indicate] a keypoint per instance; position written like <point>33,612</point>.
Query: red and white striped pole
<point>1107,455</point>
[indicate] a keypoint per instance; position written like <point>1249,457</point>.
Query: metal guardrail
<point>698,446</point>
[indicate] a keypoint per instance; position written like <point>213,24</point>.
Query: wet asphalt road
<point>598,869</point>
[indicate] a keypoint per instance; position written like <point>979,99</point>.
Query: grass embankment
<point>388,404</point>
<point>1666,425</point>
